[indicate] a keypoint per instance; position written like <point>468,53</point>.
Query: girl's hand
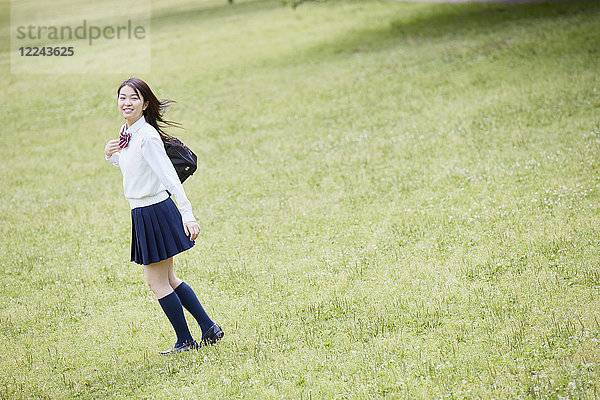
<point>111,147</point>
<point>192,229</point>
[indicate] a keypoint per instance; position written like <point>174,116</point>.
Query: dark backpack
<point>184,160</point>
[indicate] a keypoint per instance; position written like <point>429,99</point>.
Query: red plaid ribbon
<point>124,138</point>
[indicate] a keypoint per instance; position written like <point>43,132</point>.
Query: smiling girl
<point>160,229</point>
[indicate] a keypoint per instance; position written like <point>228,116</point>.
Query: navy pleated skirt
<point>157,233</point>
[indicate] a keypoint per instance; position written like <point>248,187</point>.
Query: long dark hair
<point>154,113</point>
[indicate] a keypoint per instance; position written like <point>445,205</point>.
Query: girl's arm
<point>114,159</point>
<point>111,152</point>
<point>153,151</point>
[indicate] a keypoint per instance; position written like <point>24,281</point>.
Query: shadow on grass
<point>428,22</point>
<point>204,13</point>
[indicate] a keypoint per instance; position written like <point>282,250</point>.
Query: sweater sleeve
<point>113,159</point>
<point>153,151</point>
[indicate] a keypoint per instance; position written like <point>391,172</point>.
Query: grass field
<point>397,200</point>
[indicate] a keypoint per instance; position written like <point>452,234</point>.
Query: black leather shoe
<point>213,334</point>
<point>186,346</point>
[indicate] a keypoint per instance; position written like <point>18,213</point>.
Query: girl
<point>160,229</point>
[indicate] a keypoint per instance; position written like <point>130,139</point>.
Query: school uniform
<point>149,181</point>
<point>157,224</point>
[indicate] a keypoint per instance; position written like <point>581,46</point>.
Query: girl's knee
<point>158,286</point>
<point>174,281</point>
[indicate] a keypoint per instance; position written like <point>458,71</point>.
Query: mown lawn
<point>398,200</point>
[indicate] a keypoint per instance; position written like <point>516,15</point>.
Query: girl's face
<point>131,104</point>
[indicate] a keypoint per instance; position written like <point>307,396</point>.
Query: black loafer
<point>186,346</point>
<point>213,334</point>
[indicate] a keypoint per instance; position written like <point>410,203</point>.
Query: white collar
<point>136,125</point>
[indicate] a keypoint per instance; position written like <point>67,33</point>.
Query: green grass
<point>397,200</point>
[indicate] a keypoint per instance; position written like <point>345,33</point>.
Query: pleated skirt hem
<point>157,233</point>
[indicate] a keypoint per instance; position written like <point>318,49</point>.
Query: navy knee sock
<point>192,304</point>
<point>171,305</point>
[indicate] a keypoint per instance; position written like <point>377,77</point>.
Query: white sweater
<point>147,171</point>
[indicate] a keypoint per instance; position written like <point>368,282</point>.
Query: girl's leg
<point>189,300</point>
<point>157,277</point>
<point>173,280</point>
